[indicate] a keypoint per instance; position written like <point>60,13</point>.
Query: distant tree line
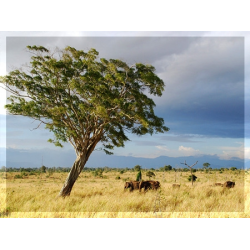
<point>137,168</point>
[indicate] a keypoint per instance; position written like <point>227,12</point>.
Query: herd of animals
<point>142,184</point>
<point>146,185</point>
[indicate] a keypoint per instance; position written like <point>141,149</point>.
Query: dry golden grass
<point>35,196</point>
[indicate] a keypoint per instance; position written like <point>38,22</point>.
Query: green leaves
<point>36,48</point>
<point>85,100</point>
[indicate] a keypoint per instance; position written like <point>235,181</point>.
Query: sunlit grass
<point>94,197</point>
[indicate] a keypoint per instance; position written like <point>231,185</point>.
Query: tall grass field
<point>34,195</point>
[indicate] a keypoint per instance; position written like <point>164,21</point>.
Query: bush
<point>50,171</point>
<point>117,177</point>
<point>18,176</point>
<point>43,169</point>
<point>233,168</point>
<point>138,177</point>
<point>98,173</point>
<point>190,177</point>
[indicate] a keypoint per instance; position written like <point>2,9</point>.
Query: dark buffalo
<point>131,185</point>
<point>149,185</point>
<point>229,184</point>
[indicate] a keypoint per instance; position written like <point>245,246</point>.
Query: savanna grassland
<point>34,195</point>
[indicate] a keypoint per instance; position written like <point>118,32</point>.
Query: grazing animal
<point>176,185</point>
<point>131,185</point>
<point>229,184</point>
<point>218,184</point>
<point>149,185</point>
<point>155,184</point>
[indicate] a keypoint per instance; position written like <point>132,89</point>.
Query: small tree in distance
<point>206,166</point>
<point>137,168</point>
<point>43,169</point>
<point>150,174</point>
<point>85,100</point>
<point>168,168</point>
<point>3,169</point>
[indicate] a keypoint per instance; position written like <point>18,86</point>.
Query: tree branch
<point>36,127</point>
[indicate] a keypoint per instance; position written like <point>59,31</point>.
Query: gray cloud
<point>181,138</point>
<point>131,49</point>
<point>15,133</point>
<point>148,143</point>
<point>211,68</point>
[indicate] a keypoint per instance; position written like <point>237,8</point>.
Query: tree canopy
<point>84,99</point>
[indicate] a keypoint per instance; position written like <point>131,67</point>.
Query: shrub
<point>233,168</point>
<point>117,177</point>
<point>18,176</point>
<point>190,177</point>
<point>43,169</point>
<point>98,173</point>
<point>138,177</point>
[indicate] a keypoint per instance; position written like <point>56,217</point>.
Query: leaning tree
<point>85,100</point>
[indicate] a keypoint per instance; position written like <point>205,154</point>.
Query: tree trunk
<point>192,176</point>
<point>82,158</point>
<point>73,175</point>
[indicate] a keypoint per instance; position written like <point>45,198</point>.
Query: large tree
<point>85,100</point>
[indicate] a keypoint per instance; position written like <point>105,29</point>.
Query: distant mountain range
<point>129,161</point>
<point>35,158</point>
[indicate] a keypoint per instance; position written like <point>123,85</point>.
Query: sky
<point>206,80</point>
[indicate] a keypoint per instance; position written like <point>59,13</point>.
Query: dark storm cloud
<point>212,68</point>
<point>213,124</point>
<point>204,76</point>
<point>204,91</point>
